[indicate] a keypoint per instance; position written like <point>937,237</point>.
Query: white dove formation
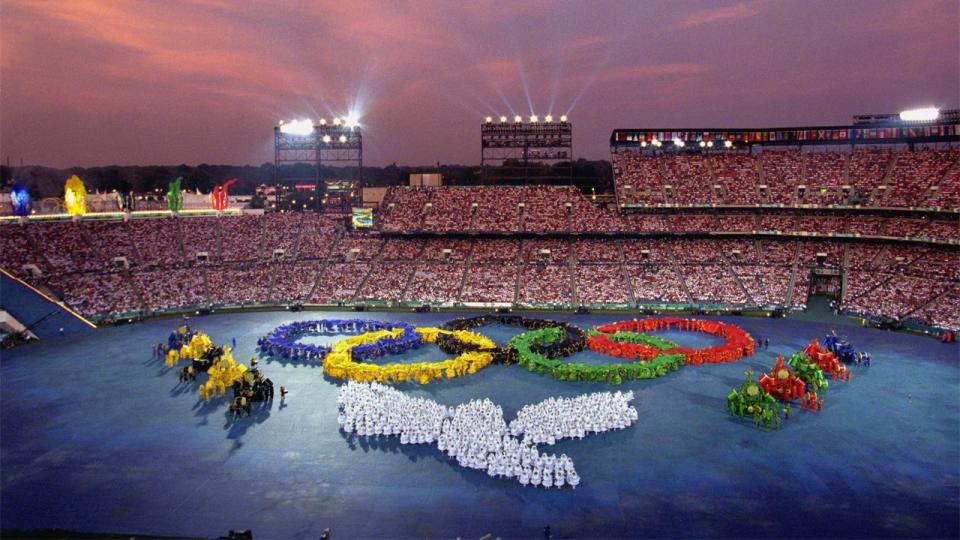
<point>477,436</point>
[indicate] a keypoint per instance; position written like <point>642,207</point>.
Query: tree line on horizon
<point>48,181</point>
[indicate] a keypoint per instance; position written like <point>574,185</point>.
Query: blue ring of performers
<point>283,340</point>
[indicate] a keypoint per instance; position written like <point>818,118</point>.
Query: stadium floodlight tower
<point>304,142</point>
<point>508,147</point>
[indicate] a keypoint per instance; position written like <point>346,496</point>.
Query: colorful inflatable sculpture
<point>782,383</point>
<point>175,196</point>
<point>75,196</point>
<point>219,195</point>
<point>827,361</point>
<point>20,200</point>
<point>752,401</point>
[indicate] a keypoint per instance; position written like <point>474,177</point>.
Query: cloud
<point>649,71</point>
<point>735,12</point>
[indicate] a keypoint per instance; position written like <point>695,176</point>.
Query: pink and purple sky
<point>89,82</point>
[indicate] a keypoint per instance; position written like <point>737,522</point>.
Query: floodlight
<point>326,139</point>
<point>709,144</point>
<point>643,144</point>
<point>351,121</point>
<point>549,118</point>
<point>297,127</point>
<point>488,119</point>
<point>533,118</point>
<point>503,119</point>
<point>679,143</point>
<point>517,119</point>
<point>702,144</point>
<point>323,121</point>
<point>728,144</point>
<point>926,114</point>
<point>563,118</point>
<point>343,138</point>
<point>336,121</point>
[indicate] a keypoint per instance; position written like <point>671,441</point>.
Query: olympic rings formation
<point>340,362</point>
<point>738,343</point>
<point>540,349</point>
<point>282,341</point>
<point>574,339</point>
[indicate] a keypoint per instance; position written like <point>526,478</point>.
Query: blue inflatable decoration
<point>20,200</point>
<point>282,341</point>
<point>845,351</point>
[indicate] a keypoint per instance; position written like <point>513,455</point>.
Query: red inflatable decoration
<point>827,361</point>
<point>782,383</point>
<point>738,344</point>
<point>219,195</point>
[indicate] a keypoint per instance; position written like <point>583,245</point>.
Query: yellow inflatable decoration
<point>222,374</point>
<point>75,196</point>
<point>339,362</point>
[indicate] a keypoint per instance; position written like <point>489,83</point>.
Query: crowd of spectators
<point>157,241</point>
<point>387,281</point>
<point>200,235</point>
<point>900,280</point>
<point>338,282</point>
<point>318,234</point>
<point>17,251</point>
<point>712,283</point>
<point>241,237</point>
<point>656,283</point>
<point>544,284</point>
<point>96,294</point>
<point>246,284</point>
<point>774,177</point>
<point>436,282</point>
<point>449,210</point>
<point>293,281</point>
<point>601,284</point>
<point>281,231</point>
<point>111,239</point>
<point>171,288</point>
<point>67,246</point>
<point>490,282</point>
<point>739,177</point>
<point>766,285</point>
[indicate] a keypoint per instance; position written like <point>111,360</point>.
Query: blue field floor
<point>95,435</point>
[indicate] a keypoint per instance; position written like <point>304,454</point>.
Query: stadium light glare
<point>488,119</point>
<point>728,144</point>
<point>702,144</point>
<point>643,144</point>
<point>336,121</point>
<point>351,121</point>
<point>709,144</point>
<point>323,121</point>
<point>563,118</point>
<point>343,138</point>
<point>926,114</point>
<point>549,118</point>
<point>533,118</point>
<point>503,119</point>
<point>518,119</point>
<point>679,143</point>
<point>297,127</point>
<point>326,139</point>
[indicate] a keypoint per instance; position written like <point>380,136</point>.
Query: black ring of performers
<point>574,341</point>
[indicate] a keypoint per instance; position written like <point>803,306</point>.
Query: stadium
<point>749,332</point>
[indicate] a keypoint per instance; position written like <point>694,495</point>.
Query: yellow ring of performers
<point>339,362</point>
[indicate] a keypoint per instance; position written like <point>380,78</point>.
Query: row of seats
<point>546,209</point>
<point>895,279</point>
<point>869,177</point>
